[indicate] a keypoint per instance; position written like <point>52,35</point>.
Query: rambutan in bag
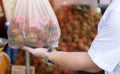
<point>33,24</point>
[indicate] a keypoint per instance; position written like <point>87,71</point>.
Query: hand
<point>38,52</point>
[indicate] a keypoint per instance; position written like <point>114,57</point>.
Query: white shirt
<point>105,48</point>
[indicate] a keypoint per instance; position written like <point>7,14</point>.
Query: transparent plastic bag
<point>33,24</point>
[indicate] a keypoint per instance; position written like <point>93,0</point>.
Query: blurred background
<point>78,20</point>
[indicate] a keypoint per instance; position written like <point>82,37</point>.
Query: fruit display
<point>78,26</point>
<point>33,33</point>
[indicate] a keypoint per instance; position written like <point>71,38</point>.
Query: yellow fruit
<point>19,38</point>
<point>32,37</point>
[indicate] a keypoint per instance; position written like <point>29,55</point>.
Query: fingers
<point>28,49</point>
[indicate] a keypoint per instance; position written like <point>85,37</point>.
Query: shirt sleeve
<point>105,48</point>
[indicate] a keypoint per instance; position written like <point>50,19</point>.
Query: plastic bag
<point>33,24</point>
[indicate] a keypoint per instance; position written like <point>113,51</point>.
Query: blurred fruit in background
<point>78,27</point>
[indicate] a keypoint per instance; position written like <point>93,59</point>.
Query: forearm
<point>79,61</point>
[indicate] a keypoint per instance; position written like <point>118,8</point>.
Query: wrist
<point>47,56</point>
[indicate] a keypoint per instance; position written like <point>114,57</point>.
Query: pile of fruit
<point>78,28</point>
<point>33,33</point>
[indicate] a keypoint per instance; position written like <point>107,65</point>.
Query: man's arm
<point>79,61</point>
